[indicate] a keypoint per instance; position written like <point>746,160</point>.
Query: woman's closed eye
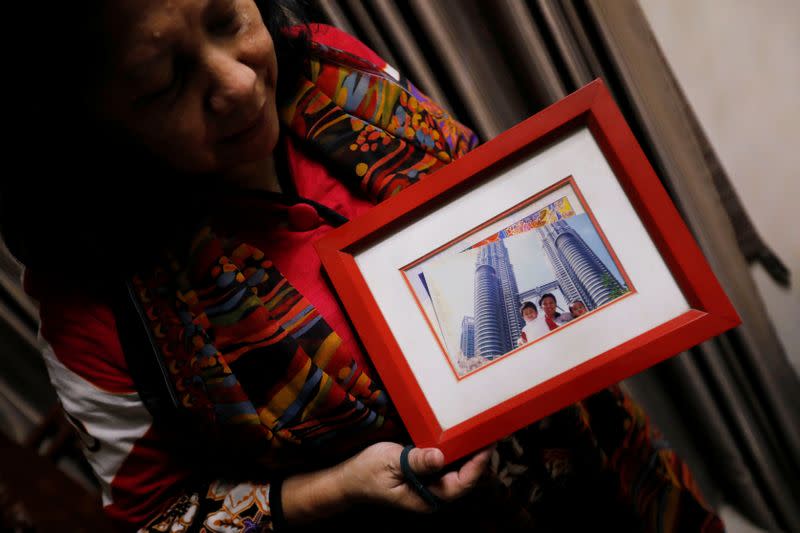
<point>228,24</point>
<point>167,89</point>
<point>225,24</point>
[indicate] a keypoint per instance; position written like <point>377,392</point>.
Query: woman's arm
<point>374,477</point>
<point>143,480</point>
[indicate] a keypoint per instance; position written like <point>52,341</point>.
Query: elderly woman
<point>181,158</point>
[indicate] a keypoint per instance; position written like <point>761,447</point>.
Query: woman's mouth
<point>249,130</point>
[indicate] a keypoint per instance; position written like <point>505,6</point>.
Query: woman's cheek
<point>257,47</point>
<point>184,144</point>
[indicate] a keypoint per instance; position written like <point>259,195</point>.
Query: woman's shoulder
<point>564,317</point>
<point>80,330</point>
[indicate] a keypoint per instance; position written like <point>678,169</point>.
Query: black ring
<point>411,478</point>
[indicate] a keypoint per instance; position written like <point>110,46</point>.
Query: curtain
<point>730,405</point>
<point>25,391</point>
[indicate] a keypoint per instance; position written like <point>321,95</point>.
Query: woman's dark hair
<point>278,15</point>
<point>81,195</point>
<point>547,295</point>
<point>528,305</point>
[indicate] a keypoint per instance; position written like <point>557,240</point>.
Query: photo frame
<point>539,268</point>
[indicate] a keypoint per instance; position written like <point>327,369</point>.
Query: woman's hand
<point>374,476</point>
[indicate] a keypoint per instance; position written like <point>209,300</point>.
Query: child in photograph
<point>534,327</point>
<point>577,308</point>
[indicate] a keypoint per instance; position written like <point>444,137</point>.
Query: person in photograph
<point>189,329</point>
<point>577,308</point>
<point>552,316</point>
<point>534,326</point>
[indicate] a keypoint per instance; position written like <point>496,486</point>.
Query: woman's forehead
<point>141,23</point>
<point>152,23</point>
<point>144,30</point>
<point>134,16</point>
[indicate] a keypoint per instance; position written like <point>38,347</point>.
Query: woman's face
<point>549,306</point>
<point>193,80</point>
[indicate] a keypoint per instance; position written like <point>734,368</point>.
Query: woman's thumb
<point>426,460</point>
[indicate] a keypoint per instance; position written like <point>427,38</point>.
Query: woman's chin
<point>254,149</point>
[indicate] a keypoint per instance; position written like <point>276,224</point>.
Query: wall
<point>738,62</point>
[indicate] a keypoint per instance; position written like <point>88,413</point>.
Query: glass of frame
<point>539,268</point>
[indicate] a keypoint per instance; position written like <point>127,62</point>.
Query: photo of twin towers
<point>548,268</point>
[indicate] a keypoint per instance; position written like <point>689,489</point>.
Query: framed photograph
<point>532,272</point>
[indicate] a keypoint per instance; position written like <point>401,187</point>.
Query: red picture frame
<point>592,107</point>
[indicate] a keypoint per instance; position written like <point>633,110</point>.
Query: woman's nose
<point>231,82</point>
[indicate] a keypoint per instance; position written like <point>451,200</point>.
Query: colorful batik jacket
<point>261,355</point>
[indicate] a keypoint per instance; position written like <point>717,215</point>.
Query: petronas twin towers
<point>497,319</point>
<point>580,273</point>
<point>496,323</point>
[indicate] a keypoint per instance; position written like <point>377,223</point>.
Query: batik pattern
<point>226,508</point>
<point>603,453</point>
<point>380,134</point>
<point>251,357</point>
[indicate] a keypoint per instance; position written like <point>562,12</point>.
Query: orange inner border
<point>569,180</point>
